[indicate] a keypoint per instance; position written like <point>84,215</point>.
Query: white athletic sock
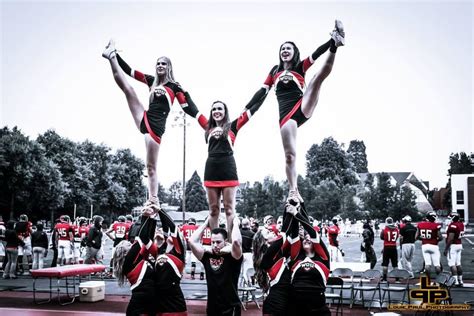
<point>460,278</point>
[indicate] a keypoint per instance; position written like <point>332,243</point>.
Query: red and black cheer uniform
<point>308,274</point>
<point>161,99</point>
<point>290,86</point>
<point>139,270</point>
<point>221,170</point>
<point>275,263</point>
<point>169,268</point>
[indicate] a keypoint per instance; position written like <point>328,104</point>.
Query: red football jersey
<point>76,233</point>
<point>188,230</point>
<point>83,231</point>
<point>333,231</point>
<point>63,230</point>
<point>390,236</point>
<point>206,236</point>
<point>120,229</point>
<point>458,229</point>
<point>429,232</point>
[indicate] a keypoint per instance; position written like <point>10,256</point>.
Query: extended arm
<point>109,232</point>
<point>190,108</point>
<point>258,97</point>
<point>169,225</point>
<point>293,232</point>
<point>194,240</point>
<point>318,245</point>
<point>236,240</point>
<point>262,93</point>
<point>146,79</point>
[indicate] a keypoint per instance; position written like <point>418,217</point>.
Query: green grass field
<point>351,247</point>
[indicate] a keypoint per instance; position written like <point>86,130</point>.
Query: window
<point>459,197</point>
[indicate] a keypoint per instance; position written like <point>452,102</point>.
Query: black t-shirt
<point>222,276</point>
<point>408,233</point>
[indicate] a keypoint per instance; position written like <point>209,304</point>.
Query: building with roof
<point>462,195</point>
<point>419,187</point>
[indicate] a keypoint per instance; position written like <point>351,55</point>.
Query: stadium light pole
<point>180,120</point>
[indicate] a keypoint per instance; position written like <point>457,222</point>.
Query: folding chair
<point>401,285</point>
<point>347,276</point>
<point>248,294</point>
<point>443,277</point>
<point>247,270</point>
<point>332,284</point>
<point>446,281</point>
<point>374,276</point>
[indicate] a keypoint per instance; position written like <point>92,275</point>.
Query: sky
<point>402,84</point>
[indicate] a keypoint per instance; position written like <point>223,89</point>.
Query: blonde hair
<point>169,72</point>
<point>120,253</point>
<point>169,77</point>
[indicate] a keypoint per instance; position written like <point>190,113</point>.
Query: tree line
<point>332,186</point>
<point>52,174</point>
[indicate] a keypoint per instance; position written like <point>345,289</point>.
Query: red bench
<point>76,271</point>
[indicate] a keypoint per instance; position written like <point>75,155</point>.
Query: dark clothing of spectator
<point>247,238</point>
<point>39,239</point>
<point>368,242</point>
<point>12,240</point>
<point>408,233</point>
<point>54,247</point>
<point>94,239</point>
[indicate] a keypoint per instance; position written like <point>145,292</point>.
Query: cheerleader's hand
<point>149,211</point>
<point>291,209</point>
<point>226,249</point>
